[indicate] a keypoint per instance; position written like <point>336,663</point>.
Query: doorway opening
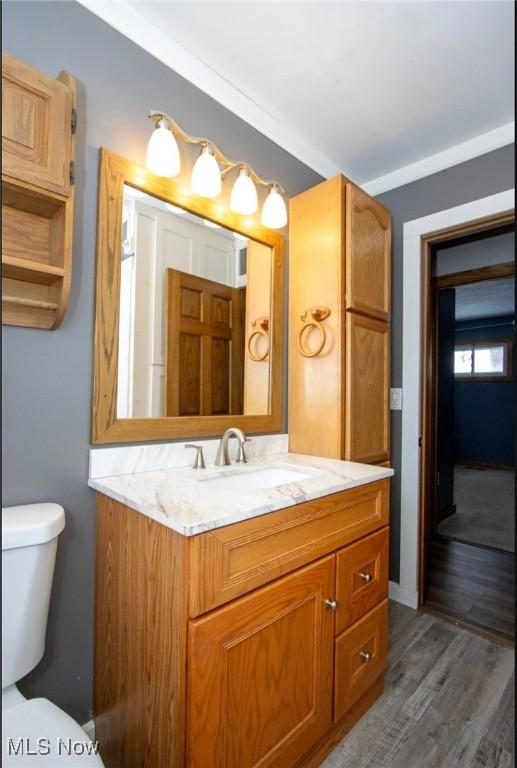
<point>468,489</point>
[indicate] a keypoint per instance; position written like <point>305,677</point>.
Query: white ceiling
<point>491,298</point>
<point>366,88</point>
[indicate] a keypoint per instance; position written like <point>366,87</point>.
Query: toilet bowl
<point>35,732</point>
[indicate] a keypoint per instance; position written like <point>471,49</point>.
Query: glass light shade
<point>163,157</point>
<point>206,176</point>
<point>274,211</point>
<point>244,195</point>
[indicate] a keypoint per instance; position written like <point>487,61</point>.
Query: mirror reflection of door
<point>192,296</point>
<point>204,347</point>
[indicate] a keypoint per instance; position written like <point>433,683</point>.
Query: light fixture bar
<point>228,164</point>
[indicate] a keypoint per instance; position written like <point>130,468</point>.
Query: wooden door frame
<point>418,235</point>
<point>429,365</point>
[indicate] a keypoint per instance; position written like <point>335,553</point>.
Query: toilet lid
<point>37,733</point>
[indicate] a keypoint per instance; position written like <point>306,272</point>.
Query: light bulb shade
<point>163,157</point>
<point>206,176</point>
<point>274,211</point>
<point>244,195</point>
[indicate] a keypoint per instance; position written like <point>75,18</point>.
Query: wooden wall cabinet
<point>37,194</point>
<point>339,260</point>
<point>226,650</point>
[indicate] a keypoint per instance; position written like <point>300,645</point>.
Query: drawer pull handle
<point>366,656</point>
<point>332,604</point>
<point>367,577</point>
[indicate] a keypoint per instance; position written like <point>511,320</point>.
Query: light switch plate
<point>396,399</point>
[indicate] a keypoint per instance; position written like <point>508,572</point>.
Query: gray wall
<point>485,175</point>
<point>47,375</point>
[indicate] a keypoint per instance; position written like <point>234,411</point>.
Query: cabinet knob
<point>365,576</point>
<point>332,604</point>
<point>366,656</point>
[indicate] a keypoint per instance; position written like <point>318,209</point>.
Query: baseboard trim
<point>402,595</point>
<point>89,729</point>
<point>484,465</point>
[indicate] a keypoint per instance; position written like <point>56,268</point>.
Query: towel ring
<point>318,314</point>
<point>263,330</point>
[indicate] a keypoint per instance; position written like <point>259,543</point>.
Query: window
<point>483,359</point>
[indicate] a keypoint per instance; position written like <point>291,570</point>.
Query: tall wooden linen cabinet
<point>339,323</point>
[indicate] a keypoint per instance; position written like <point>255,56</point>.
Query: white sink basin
<point>267,476</point>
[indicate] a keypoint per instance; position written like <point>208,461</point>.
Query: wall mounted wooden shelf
<point>37,194</point>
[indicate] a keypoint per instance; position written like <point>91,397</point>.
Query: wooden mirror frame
<point>114,173</point>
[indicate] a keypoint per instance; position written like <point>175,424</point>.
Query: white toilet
<point>34,731</point>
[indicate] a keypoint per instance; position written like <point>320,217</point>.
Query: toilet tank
<point>29,542</point>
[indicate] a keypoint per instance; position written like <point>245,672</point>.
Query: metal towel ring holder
<point>262,330</point>
<point>318,314</point>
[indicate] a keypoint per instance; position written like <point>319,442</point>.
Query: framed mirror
<point>188,316</point>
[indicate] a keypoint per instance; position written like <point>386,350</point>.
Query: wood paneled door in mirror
<point>185,293</point>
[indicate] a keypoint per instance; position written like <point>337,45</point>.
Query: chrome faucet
<point>223,457</point>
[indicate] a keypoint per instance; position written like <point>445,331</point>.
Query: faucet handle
<point>199,461</point>
<point>241,454</point>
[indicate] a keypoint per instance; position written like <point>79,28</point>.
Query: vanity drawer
<point>230,561</point>
<point>361,654</point>
<point>362,578</point>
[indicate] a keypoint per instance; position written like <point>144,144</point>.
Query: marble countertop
<point>182,500</point>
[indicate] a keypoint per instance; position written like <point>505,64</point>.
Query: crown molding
<point>126,18</point>
<point>466,150</point>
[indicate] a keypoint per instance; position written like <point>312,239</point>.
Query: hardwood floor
<point>472,584</point>
<point>447,702</point>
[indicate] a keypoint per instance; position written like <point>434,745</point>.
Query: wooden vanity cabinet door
<point>367,389</point>
<point>368,249</point>
<point>361,578</point>
<point>260,674</point>
<point>36,126</point>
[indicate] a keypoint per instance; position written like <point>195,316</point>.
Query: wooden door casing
<point>367,389</point>
<point>260,674</point>
<point>204,347</point>
<point>368,247</point>
<point>36,127</point>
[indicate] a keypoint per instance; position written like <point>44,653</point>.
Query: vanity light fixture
<point>210,168</point>
<point>274,212</point>
<point>244,194</point>
<point>206,176</point>
<point>163,157</point>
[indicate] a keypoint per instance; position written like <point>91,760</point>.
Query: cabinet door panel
<point>36,126</point>
<point>368,263</point>
<point>361,578</point>
<point>260,674</point>
<point>361,658</point>
<point>367,389</point>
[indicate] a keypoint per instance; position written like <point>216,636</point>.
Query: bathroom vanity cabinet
<point>256,644</point>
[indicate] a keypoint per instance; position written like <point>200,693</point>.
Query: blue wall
<point>484,419</point>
